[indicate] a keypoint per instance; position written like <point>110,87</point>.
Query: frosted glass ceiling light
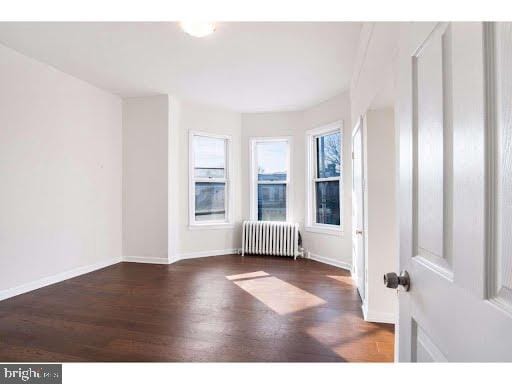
<point>198,29</point>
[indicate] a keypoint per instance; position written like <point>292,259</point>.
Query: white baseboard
<point>327,260</point>
<point>378,317</point>
<point>183,256</point>
<point>147,260</point>
<point>220,252</point>
<point>57,278</point>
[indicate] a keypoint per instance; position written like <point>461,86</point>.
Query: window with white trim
<point>209,179</point>
<point>324,178</point>
<point>270,181</point>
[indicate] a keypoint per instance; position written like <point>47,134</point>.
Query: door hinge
<point>352,155</point>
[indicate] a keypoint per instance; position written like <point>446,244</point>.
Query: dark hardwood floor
<point>224,308</point>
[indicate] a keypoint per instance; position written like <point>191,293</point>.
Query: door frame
<point>359,127</point>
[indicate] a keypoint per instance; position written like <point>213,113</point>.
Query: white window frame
<point>311,179</point>
<point>228,200</point>
<point>254,174</point>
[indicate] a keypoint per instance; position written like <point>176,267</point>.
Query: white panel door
<point>358,227</point>
<point>454,83</point>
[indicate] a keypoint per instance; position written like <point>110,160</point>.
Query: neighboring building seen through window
<point>209,179</point>
<point>271,157</point>
<point>272,202</point>
<point>210,201</point>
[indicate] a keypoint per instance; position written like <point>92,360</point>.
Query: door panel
<point>455,191</point>
<point>431,141</point>
<point>424,349</point>
<point>429,146</point>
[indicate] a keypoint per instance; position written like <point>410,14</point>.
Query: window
<point>324,146</point>
<point>209,180</point>
<point>270,179</point>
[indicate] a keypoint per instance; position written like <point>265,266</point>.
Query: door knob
<point>359,231</point>
<point>392,280</point>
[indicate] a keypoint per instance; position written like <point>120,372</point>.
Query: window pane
<point>210,202</point>
<point>328,155</point>
<point>328,202</point>
<point>272,202</point>
<point>209,157</point>
<point>272,160</point>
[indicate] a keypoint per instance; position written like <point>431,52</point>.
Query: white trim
<point>377,317</point>
<point>253,174</point>
<point>220,252</point>
<point>172,171</point>
<point>328,260</point>
<point>496,292</point>
<point>57,278</point>
<point>227,180</point>
<point>311,179</point>
<point>492,165</point>
<point>207,227</point>
<point>364,306</point>
<point>183,256</point>
<point>146,260</point>
<point>338,232</point>
<point>326,128</point>
<point>360,127</point>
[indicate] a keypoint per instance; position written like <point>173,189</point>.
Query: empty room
<point>254,191</point>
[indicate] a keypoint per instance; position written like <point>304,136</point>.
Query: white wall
<point>372,83</point>
<point>155,179</point>
<point>204,241</point>
<point>372,92</point>
<point>60,172</point>
<point>145,178</point>
<point>336,250</point>
<point>381,245</point>
<point>276,124</point>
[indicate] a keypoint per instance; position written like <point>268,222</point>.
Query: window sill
<point>324,231</point>
<point>207,227</point>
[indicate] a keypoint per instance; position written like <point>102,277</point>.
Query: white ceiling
<point>247,67</point>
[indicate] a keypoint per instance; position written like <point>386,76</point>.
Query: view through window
<point>209,178</point>
<point>327,181</point>
<point>272,179</point>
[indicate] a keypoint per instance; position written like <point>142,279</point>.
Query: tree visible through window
<point>324,180</point>
<point>327,183</point>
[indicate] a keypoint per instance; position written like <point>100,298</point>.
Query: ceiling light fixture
<point>198,29</point>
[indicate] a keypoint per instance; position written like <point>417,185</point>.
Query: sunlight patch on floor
<point>247,275</point>
<point>278,295</point>
<point>353,342</point>
<point>338,326</point>
<point>342,279</point>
